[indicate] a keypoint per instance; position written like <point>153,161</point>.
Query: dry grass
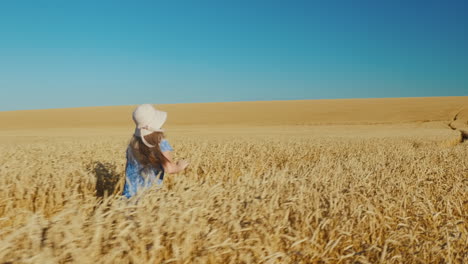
<point>384,181</point>
<point>265,195</point>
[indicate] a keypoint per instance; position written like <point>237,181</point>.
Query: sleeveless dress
<point>137,178</point>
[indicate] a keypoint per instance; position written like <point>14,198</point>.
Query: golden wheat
<point>251,198</point>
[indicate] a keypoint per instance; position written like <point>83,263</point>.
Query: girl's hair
<point>148,157</point>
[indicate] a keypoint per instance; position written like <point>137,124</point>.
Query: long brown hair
<point>148,157</point>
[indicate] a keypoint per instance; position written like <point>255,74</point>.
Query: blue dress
<point>137,178</point>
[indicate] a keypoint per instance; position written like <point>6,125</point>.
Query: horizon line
<point>240,101</point>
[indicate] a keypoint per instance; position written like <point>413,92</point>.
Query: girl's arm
<point>173,167</point>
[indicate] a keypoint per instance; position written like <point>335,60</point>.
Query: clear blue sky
<point>57,54</point>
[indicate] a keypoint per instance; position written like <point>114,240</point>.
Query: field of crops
<point>249,196</point>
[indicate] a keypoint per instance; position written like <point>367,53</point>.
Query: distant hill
<point>302,112</point>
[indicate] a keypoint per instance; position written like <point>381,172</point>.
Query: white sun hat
<point>148,120</point>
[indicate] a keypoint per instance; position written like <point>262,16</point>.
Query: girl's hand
<point>173,167</point>
<point>182,164</point>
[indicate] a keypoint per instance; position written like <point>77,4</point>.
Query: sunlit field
<point>388,193</point>
<point>251,198</point>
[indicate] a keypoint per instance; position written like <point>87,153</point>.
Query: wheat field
<point>335,193</point>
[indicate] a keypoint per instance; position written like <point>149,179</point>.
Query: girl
<point>149,153</point>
